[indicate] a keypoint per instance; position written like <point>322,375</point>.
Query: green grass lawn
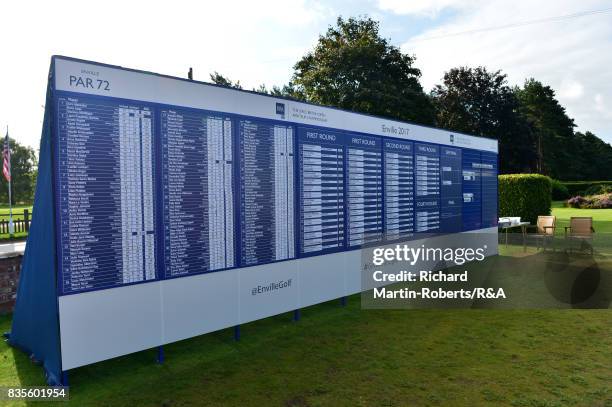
<point>339,356</point>
<point>17,214</point>
<point>602,218</point>
<point>17,211</point>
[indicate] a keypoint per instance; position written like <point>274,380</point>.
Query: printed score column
<point>451,190</point>
<point>399,189</point>
<point>266,192</point>
<point>198,192</point>
<point>365,190</point>
<point>427,188</point>
<point>321,167</point>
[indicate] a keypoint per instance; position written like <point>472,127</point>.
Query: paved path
<point>12,249</point>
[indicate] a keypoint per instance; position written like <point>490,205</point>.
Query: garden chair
<point>580,230</point>
<point>544,230</point>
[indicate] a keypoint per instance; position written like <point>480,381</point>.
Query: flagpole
<point>11,226</point>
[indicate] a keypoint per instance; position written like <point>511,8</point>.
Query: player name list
<point>266,192</point>
<point>198,192</point>
<point>106,199</point>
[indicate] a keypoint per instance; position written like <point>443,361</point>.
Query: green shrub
<point>524,195</point>
<point>598,189</point>
<point>559,190</point>
<point>603,201</point>
<point>580,187</point>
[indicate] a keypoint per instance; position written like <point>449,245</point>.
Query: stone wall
<point>9,277</point>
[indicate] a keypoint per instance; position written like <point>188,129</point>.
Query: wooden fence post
<point>26,220</point>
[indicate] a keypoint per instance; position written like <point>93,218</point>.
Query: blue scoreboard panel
<point>364,190</point>
<point>472,193</point>
<point>398,157</point>
<point>182,208</point>
<point>150,190</point>
<point>198,189</point>
<point>427,187</point>
<point>489,188</point>
<point>321,190</point>
<point>266,184</point>
<point>451,189</point>
<point>105,190</point>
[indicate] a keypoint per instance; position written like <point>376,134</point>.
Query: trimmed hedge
<point>580,187</point>
<point>524,195</point>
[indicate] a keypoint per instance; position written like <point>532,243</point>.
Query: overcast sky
<point>257,42</point>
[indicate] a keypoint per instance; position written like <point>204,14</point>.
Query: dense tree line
<point>479,102</point>
<point>353,67</point>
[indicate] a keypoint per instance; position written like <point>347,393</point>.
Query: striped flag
<point>6,162</point>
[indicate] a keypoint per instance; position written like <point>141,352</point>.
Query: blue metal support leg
<point>160,354</point>
<point>65,378</point>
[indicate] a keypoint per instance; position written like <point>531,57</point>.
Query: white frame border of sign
<point>99,325</point>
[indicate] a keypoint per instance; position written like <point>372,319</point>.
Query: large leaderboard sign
<point>184,207</point>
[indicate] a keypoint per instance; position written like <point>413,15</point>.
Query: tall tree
<point>553,129</point>
<point>219,79</point>
<point>352,67</point>
<point>591,158</point>
<point>284,91</point>
<point>23,175</point>
<point>479,102</point>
